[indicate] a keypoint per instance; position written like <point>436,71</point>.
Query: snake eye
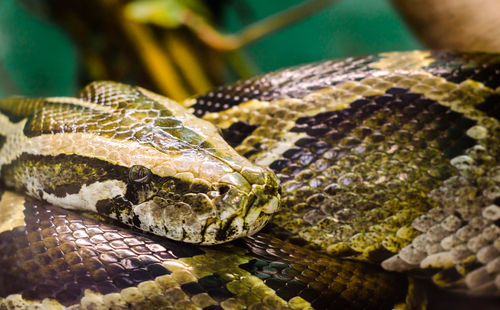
<point>139,174</point>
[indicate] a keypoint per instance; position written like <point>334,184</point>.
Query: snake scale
<point>382,173</point>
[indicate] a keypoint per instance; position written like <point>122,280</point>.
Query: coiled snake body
<point>389,177</point>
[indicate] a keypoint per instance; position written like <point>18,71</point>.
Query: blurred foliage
<point>166,13</point>
<point>38,57</point>
<point>35,57</point>
<point>113,45</point>
<point>347,28</point>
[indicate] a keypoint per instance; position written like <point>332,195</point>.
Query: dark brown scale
<point>237,132</point>
<point>491,106</point>
<point>280,164</point>
<point>213,307</point>
<point>2,141</point>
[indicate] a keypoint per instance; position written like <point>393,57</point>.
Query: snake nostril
<point>223,189</point>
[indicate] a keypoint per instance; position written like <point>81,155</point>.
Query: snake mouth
<point>252,214</point>
<point>254,219</point>
<point>245,204</point>
<point>226,231</point>
<point>259,214</point>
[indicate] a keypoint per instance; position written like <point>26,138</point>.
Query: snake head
<point>191,209</point>
<point>190,185</point>
<point>137,157</point>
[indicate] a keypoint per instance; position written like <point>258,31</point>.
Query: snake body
<point>386,163</point>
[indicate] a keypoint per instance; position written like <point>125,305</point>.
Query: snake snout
<point>245,203</point>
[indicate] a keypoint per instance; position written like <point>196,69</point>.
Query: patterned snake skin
<point>390,186</point>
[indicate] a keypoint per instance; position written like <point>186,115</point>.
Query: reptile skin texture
<point>63,256</point>
<point>390,191</point>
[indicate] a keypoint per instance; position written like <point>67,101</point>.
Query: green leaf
<point>165,13</point>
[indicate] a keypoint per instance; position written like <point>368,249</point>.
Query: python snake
<point>389,175</point>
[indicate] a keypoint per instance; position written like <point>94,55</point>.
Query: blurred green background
<point>37,58</point>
